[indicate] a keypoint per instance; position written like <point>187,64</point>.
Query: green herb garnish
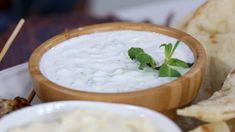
<point>166,69</point>
<point>144,59</point>
<point>169,51</point>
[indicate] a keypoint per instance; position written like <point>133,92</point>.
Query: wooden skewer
<point>11,39</point>
<point>31,96</point>
<point>7,46</point>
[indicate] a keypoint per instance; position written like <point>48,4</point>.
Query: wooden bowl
<point>162,98</point>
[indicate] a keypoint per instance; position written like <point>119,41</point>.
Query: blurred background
<point>13,10</point>
<point>46,18</point>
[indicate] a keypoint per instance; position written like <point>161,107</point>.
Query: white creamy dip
<point>91,121</point>
<point>99,62</point>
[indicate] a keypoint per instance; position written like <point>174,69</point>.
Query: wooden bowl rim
<point>194,45</point>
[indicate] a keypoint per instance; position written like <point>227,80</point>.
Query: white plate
<point>16,81</point>
<point>157,12</point>
<point>33,113</point>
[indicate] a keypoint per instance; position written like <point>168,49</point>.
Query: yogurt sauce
<point>99,62</point>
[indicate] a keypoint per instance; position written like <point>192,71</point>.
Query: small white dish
<point>33,113</point>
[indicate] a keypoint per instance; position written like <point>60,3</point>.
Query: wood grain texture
<point>163,98</point>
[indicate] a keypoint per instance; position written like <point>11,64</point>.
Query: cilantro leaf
<point>142,57</point>
<point>167,71</point>
<point>177,62</point>
<point>144,60</point>
<point>175,46</point>
<point>132,52</point>
<point>168,49</point>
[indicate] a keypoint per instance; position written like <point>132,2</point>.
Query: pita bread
<point>213,24</point>
<point>219,107</point>
<point>214,127</point>
<point>231,124</point>
<point>215,16</point>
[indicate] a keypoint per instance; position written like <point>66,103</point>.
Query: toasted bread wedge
<point>213,127</point>
<point>219,107</point>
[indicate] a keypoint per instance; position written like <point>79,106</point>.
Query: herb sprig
<point>166,69</point>
<point>144,59</point>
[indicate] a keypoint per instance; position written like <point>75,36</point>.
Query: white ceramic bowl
<point>33,113</point>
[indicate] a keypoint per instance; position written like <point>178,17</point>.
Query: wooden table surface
<point>38,29</point>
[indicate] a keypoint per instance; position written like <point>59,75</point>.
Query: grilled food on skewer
<point>7,106</point>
